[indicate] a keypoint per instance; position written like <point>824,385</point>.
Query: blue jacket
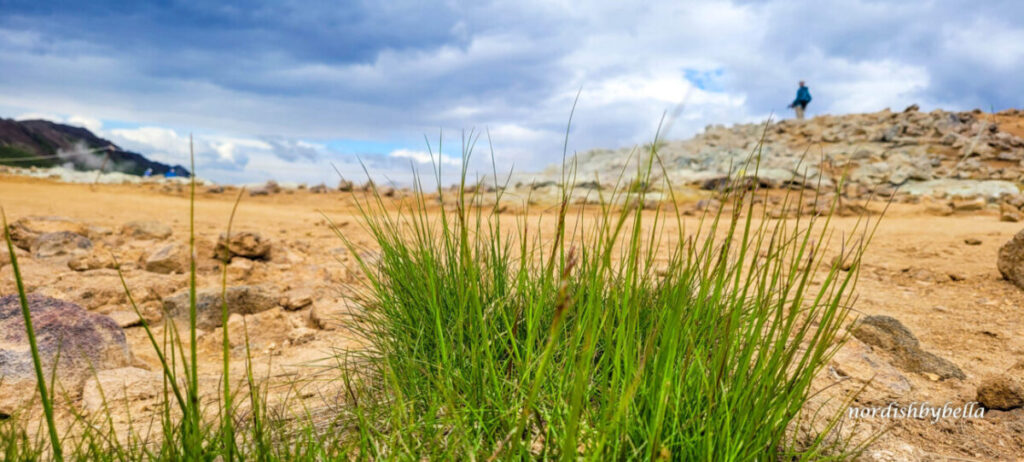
<point>803,96</point>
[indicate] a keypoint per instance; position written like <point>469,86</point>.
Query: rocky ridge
<point>908,154</point>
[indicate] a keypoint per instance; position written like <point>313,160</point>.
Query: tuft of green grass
<point>618,334</point>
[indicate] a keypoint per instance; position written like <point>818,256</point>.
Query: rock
<point>1003,392</point>
<point>147,230</point>
<point>240,268</point>
<point>708,204</point>
<point>215,189</point>
<point>345,186</point>
<point>942,209</point>
<point>297,299</point>
<point>25,230</point>
<point>97,259</point>
<point>969,206</point>
<point>86,342</point>
<point>857,361</point>
<point>318,189</point>
<point>1009,213</point>
<point>171,258</point>
<point>891,336</point>
<point>5,256</point>
<point>125,318</point>
<point>1010,261</point>
<point>301,336</point>
<point>240,299</point>
<point>972,241</point>
<point>113,388</point>
<point>266,189</point>
<point>246,244</point>
<point>60,244</point>
<point>330,314</point>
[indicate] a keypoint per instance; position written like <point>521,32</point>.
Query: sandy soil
<point>918,269</point>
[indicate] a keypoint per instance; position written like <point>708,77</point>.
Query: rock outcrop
<point>913,153</point>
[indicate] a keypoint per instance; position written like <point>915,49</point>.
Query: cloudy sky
<point>281,89</point>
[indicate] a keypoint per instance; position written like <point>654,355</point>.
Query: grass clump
<point>622,333</point>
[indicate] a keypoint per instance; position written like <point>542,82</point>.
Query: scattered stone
<point>25,230</point>
<point>60,244</point>
<point>969,205</point>
<point>266,189</point>
<point>297,299</point>
<point>240,299</point>
<point>1003,392</point>
<point>942,209</point>
<point>972,241</point>
<point>5,256</point>
<point>318,189</point>
<point>171,258</point>
<point>1010,261</point>
<point>345,186</point>
<point>246,244</point>
<point>1009,213</point>
<point>84,342</point>
<point>890,335</point>
<point>147,229</point>
<point>301,336</point>
<point>240,267</point>
<point>92,261</point>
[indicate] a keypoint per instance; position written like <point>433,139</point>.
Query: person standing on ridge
<point>803,96</point>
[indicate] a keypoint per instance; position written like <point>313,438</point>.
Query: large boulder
<point>60,244</point>
<point>240,299</point>
<point>148,229</point>
<point>1011,260</point>
<point>84,342</point>
<point>25,230</point>
<point>246,244</point>
<point>891,336</point>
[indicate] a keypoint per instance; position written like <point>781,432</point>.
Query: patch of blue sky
<point>707,80</point>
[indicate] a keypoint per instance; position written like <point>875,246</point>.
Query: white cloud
<point>91,123</point>
<point>423,157</point>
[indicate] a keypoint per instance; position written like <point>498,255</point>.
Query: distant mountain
<point>41,143</point>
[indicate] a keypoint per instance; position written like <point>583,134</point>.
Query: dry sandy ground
<point>975,320</point>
